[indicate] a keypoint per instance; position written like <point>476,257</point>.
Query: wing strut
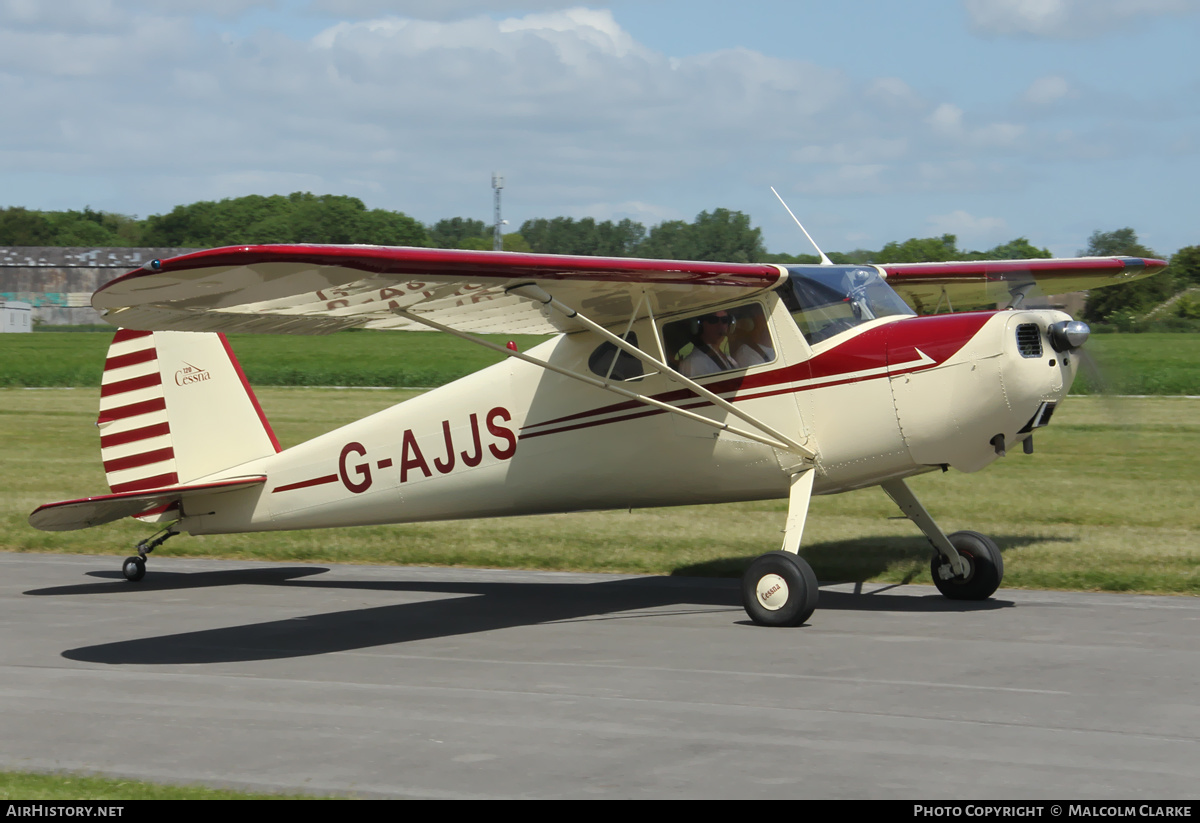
<point>540,295</point>
<point>949,305</point>
<point>768,436</point>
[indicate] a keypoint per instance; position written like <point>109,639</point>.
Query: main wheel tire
<point>985,568</point>
<point>779,589</point>
<point>134,569</point>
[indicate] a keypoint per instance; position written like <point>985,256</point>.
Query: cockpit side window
<point>827,300</point>
<point>719,341</point>
<point>625,367</point>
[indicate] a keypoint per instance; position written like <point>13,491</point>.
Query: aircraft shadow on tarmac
<point>860,559</point>
<point>468,608</point>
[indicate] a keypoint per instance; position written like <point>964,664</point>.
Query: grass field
<point>1107,502</point>
<point>363,358</point>
<point>26,786</point>
<point>1141,364</point>
<point>1130,363</point>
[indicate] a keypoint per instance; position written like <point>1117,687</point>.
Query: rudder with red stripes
<point>175,407</point>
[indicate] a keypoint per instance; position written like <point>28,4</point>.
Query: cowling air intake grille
<point>1029,340</point>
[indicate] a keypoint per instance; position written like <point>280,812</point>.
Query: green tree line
<point>721,234</point>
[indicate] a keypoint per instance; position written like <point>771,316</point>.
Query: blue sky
<point>878,121</point>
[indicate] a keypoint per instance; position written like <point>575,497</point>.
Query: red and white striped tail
<point>135,431</point>
<point>175,407</point>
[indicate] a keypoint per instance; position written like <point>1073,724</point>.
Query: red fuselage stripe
<point>700,404</point>
<point>942,336</point>
<point>304,484</point>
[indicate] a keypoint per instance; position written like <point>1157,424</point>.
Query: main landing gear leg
<point>134,568</point>
<point>780,589</point>
<point>966,565</point>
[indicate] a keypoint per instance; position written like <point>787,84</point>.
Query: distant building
<point>58,282</point>
<point>15,316</point>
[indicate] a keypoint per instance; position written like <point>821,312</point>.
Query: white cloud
<point>595,29</point>
<point>856,151</point>
<point>972,232</point>
<point>568,102</point>
<point>849,179</point>
<point>893,93</point>
<point>410,112</point>
<point>430,9</point>
<point>93,15</point>
<point>1067,19</point>
<point>946,120</point>
<point>1048,90</point>
<point>236,184</point>
<point>999,135</point>
<point>64,15</point>
<point>225,9</point>
<point>92,54</point>
<point>647,214</point>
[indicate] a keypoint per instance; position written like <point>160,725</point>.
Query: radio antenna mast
<point>497,238</point>
<point>825,261</point>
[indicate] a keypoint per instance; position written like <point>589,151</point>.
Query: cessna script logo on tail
<point>191,374</point>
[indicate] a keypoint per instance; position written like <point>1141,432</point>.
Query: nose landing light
<point>1067,335</point>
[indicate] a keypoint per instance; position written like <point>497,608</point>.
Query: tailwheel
<point>134,568</point>
<point>779,589</point>
<point>985,568</point>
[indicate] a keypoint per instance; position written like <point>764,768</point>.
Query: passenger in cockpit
<point>753,344</point>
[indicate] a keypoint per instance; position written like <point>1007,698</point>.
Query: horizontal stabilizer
<point>70,515</point>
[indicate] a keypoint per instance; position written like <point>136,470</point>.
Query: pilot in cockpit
<point>708,354</point>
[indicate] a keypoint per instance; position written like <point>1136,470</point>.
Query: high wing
<point>933,287</point>
<point>314,289</point>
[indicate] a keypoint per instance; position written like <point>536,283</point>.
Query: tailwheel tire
<point>985,568</point>
<point>779,589</point>
<point>134,569</point>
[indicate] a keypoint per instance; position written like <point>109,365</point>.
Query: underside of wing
<point>308,289</point>
<point>933,287</point>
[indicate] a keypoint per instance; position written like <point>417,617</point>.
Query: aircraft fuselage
<point>889,398</point>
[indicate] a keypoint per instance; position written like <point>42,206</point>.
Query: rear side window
<point>613,364</point>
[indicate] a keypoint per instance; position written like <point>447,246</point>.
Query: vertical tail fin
<point>175,407</point>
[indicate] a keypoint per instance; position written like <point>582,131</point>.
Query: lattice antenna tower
<point>497,239</point>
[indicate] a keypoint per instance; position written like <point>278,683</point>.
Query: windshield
<point>826,300</point>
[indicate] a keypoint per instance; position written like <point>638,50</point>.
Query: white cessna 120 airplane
<point>666,383</point>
